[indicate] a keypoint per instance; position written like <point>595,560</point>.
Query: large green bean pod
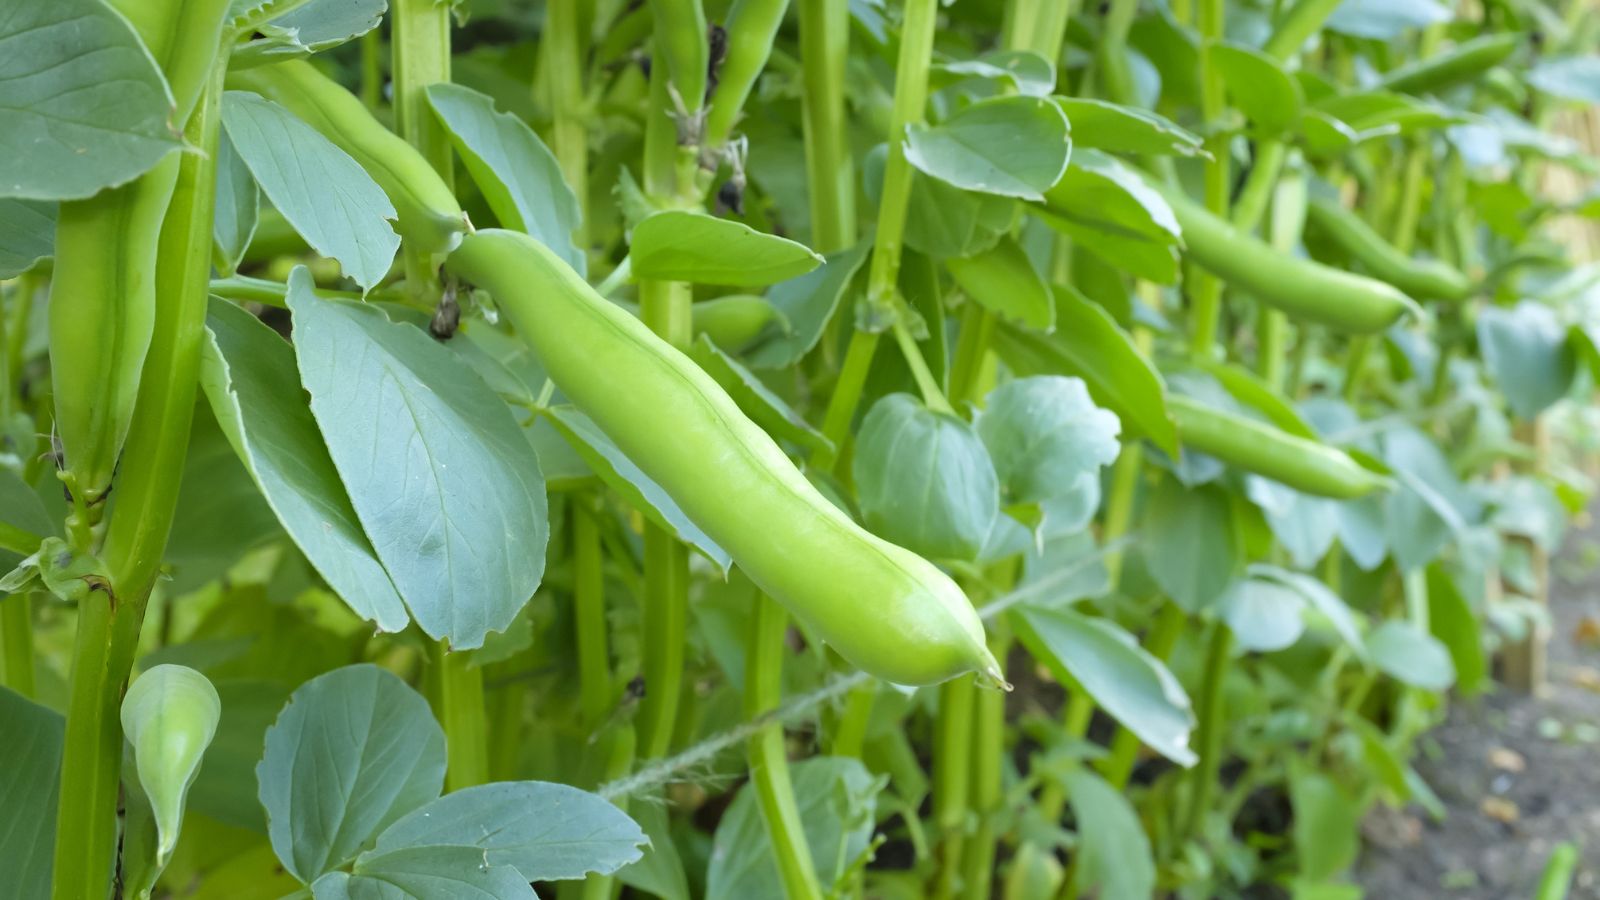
<point>1305,290</point>
<point>1305,465</point>
<point>681,43</point>
<point>884,608</point>
<point>1460,63</point>
<point>102,311</point>
<point>183,36</point>
<point>1425,278</point>
<point>430,218</point>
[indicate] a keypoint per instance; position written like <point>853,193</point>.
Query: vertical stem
<point>1163,637</point>
<point>1205,290</point>
<point>952,765</point>
<point>1211,727</point>
<point>139,521</point>
<point>420,43</point>
<point>910,99</point>
<point>16,630</point>
<point>563,58</point>
<point>372,69</point>
<point>420,39</point>
<point>589,612</point>
<point>768,754</point>
<point>830,172</point>
<point>27,287</point>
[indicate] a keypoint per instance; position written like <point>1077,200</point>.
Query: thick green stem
<point>589,612</point>
<point>1163,636</point>
<point>569,137</point>
<point>16,642</point>
<point>1205,289</point>
<point>952,766</point>
<point>420,45</point>
<point>910,98</point>
<point>1209,733</point>
<point>1304,20</point>
<point>141,515</point>
<point>458,699</point>
<point>830,172</point>
<point>1111,54</point>
<point>769,756</point>
<point>752,27</point>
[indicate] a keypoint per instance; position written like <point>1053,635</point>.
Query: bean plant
<point>753,449</point>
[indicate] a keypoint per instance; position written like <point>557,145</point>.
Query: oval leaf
<point>353,751</point>
<point>924,479</point>
<point>443,480</point>
<point>331,201</point>
<point>676,245</point>
<point>1046,437</point>
<point>1003,281</point>
<point>1010,146</point>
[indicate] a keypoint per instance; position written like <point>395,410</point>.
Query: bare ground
<point>1518,774</point>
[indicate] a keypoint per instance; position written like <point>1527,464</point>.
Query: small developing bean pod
<point>1304,290</point>
<point>430,218</point>
<point>102,314</point>
<point>1305,465</point>
<point>1427,279</point>
<point>170,715</point>
<point>1461,63</point>
<point>885,609</point>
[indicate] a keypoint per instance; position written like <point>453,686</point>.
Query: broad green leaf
<point>1190,543</point>
<point>1088,343</point>
<point>169,716</point>
<point>547,832</point>
<point>443,480</point>
<point>1528,507</point>
<point>837,799</point>
<point>424,873</point>
<point>1404,652</point>
<point>1456,626</point>
<point>1009,146</point>
<point>353,751</point>
<point>944,221</point>
<point>1100,125</point>
<point>924,479</point>
<point>756,400</point>
<point>1320,598</point>
<point>1527,351</point>
<point>677,245</point>
<point>30,779</point>
<point>248,373</point>
<point>660,872</point>
<point>27,235</point>
<point>1046,437</point>
<point>1305,526</point>
<point>1003,281</point>
<point>238,209</point>
<point>1264,615</point>
<point>519,176</point>
<point>1113,213</point>
<point>221,514</point>
<point>1430,504</point>
<point>85,105</point>
<point>331,201</point>
<point>1568,77</point>
<point>1326,823</point>
<point>1258,87</point>
<point>1064,566</point>
<point>1361,530</point>
<point>1385,20</point>
<point>311,27</point>
<point>622,475</point>
<point>1030,74</point>
<point>808,302</point>
<point>1132,686</point>
<point>1115,860</point>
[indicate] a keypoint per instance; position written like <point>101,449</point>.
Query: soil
<point>1517,774</point>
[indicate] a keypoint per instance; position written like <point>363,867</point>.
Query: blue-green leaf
<point>677,245</point>
<point>1046,437</point>
<point>27,234</point>
<point>1010,146</point>
<point>353,751</point>
<point>30,779</point>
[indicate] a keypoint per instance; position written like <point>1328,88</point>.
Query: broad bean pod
<point>1425,279</point>
<point>1460,63</point>
<point>884,608</point>
<point>1303,289</point>
<point>1305,465</point>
